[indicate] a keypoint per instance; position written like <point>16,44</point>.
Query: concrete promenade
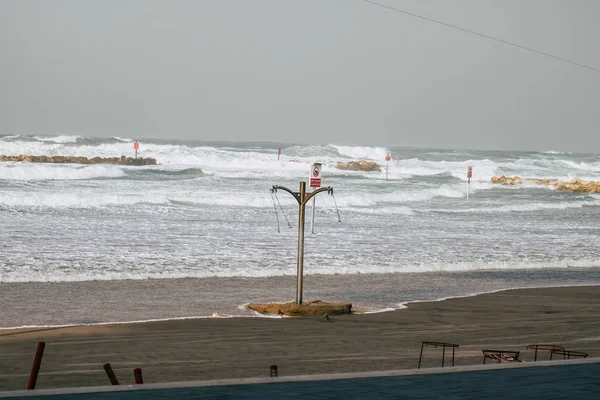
<point>569,379</point>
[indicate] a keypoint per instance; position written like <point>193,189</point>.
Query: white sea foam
<point>58,139</point>
<point>9,137</point>
<point>554,152</point>
<point>158,272</point>
<point>37,172</point>
<point>385,210</point>
<point>231,200</point>
<point>142,321</point>
<point>231,160</point>
<point>512,287</point>
<point>537,206</point>
<point>77,199</point>
<point>362,152</point>
<point>595,167</point>
<point>204,211</point>
<point>483,170</point>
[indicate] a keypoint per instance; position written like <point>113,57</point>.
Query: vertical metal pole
<point>387,166</point>
<point>453,355</point>
<point>302,195</point>
<point>443,354</point>
<point>468,186</point>
<point>420,356</point>
<point>312,224</point>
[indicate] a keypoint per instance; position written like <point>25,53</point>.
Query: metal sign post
<point>469,175</point>
<point>315,182</point>
<point>387,165</point>
<point>302,198</point>
<point>136,147</point>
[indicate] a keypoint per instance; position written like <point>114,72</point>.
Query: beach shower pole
<point>312,222</point>
<point>300,256</point>
<point>302,198</point>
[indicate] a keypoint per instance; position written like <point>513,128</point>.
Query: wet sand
<point>200,349</point>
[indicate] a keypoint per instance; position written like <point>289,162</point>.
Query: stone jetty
<point>79,160</point>
<point>361,165</point>
<point>575,185</point>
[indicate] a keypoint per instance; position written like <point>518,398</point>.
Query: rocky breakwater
<point>507,180</point>
<point>79,160</point>
<point>575,185</point>
<point>361,165</point>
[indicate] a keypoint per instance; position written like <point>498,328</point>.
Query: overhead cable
<point>482,35</point>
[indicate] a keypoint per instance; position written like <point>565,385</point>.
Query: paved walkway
<point>575,379</point>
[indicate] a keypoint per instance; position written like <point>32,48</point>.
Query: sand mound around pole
<point>307,309</point>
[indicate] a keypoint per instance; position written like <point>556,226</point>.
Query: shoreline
<point>401,306</point>
<point>410,272</point>
<point>217,348</point>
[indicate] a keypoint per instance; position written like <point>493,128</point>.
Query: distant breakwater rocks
<point>575,185</point>
<point>80,160</point>
<point>361,165</point>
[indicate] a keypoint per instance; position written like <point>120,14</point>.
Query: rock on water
<point>80,160</point>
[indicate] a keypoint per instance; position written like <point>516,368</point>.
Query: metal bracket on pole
<point>302,198</point>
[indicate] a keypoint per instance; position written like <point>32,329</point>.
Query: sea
<point>202,233</point>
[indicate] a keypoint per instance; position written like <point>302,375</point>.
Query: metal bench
<point>545,347</point>
<point>443,345</point>
<point>567,354</point>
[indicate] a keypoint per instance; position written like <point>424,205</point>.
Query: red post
<point>137,373</point>
<point>274,372</point>
<point>37,363</point>
<point>111,375</point>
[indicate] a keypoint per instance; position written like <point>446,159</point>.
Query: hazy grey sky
<point>309,71</point>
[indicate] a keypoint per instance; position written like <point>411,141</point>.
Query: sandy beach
<point>199,349</point>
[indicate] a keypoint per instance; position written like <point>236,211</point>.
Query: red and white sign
<point>388,157</point>
<point>136,145</point>
<point>315,175</point>
<point>469,172</point>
